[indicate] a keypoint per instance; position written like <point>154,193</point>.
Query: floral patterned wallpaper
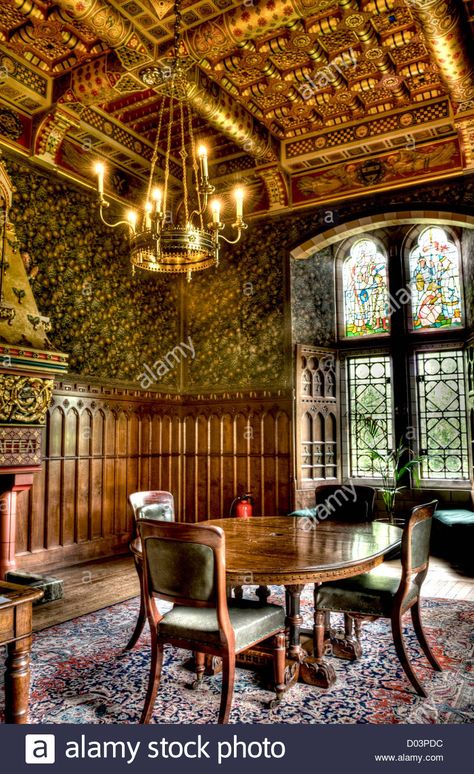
<point>241,318</point>
<point>235,315</point>
<point>245,315</point>
<point>109,322</point>
<point>312,300</point>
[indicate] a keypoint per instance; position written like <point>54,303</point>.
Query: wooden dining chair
<point>185,564</point>
<point>152,504</point>
<point>334,502</point>
<point>341,505</point>
<point>373,595</point>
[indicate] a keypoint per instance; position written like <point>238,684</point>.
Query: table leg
<point>17,681</point>
<point>294,620</point>
<point>347,647</point>
<point>262,592</point>
<point>313,670</point>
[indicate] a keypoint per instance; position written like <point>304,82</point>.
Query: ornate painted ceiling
<point>304,101</point>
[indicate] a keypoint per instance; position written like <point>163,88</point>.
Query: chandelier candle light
<point>163,240</point>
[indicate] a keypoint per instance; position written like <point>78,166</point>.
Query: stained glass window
<point>435,281</point>
<point>370,400</point>
<point>366,300</point>
<point>442,415</point>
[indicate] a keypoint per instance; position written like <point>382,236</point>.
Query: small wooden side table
<point>15,632</point>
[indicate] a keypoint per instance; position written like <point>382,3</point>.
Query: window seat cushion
<point>454,517</point>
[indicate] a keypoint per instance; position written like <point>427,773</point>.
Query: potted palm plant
<point>392,467</point>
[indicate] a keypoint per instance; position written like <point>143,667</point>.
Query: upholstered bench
<point>453,535</point>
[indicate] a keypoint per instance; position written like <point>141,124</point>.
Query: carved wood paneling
<point>317,419</point>
<point>101,443</point>
<point>233,447</point>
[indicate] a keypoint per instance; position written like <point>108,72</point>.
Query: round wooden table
<point>290,552</point>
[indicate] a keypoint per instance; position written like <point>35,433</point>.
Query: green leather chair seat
<point>250,620</point>
<point>367,594</point>
<point>455,517</point>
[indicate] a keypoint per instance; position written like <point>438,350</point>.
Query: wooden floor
<point>89,587</point>
<point>98,584</point>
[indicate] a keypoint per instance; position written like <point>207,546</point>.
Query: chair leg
<point>319,636</point>
<point>154,678</point>
<point>348,626</point>
<point>141,613</point>
<point>228,679</point>
<point>200,668</point>
<point>358,628</point>
<point>327,625</point>
<point>279,663</point>
<point>402,654</point>
<point>417,625</point>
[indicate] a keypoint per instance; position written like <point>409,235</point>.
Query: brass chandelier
<point>175,240</point>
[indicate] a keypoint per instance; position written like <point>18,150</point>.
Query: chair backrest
<point>184,563</point>
<point>345,502</point>
<point>153,504</point>
<point>416,540</point>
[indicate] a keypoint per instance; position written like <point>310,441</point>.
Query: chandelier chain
<point>155,156</point>
<point>177,27</point>
<point>183,163</point>
<point>195,167</point>
<point>168,150</point>
<point>158,242</point>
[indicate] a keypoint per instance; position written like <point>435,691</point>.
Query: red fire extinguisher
<point>243,506</point>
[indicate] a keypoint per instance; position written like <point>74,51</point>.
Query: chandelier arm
<point>113,225</point>
<point>240,228</point>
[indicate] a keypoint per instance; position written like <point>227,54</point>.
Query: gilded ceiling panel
<point>291,84</point>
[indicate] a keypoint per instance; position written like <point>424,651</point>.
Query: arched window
<point>409,388</point>
<point>365,288</point>
<point>435,284</point>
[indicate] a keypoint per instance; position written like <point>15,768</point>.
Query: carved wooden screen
<point>317,454</point>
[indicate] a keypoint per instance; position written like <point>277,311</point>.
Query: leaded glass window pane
<point>366,299</point>
<point>370,398</point>
<point>435,281</point>
<point>442,415</point>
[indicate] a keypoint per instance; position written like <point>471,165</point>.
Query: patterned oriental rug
<point>80,674</point>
